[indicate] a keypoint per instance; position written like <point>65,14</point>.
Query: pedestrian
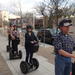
<point>63,44</point>
<point>9,35</point>
<point>15,39</point>
<point>30,40</point>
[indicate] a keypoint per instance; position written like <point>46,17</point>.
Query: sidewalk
<point>45,67</point>
<point>4,70</point>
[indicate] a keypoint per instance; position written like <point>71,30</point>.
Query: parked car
<point>44,35</point>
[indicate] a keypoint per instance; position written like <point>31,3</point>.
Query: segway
<point>15,54</point>
<point>27,67</point>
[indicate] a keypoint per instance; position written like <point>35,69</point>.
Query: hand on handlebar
<point>33,42</point>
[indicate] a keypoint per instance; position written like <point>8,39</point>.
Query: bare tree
<point>28,18</point>
<point>52,9</point>
<point>68,11</point>
<point>17,9</point>
<point>72,9</point>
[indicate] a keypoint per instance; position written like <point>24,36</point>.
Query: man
<point>63,44</point>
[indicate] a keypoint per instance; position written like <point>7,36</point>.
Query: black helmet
<point>29,27</point>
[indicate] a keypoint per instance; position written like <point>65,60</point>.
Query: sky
<point>27,5</point>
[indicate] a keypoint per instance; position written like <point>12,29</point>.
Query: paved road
<point>4,69</point>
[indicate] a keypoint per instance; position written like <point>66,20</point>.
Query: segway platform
<point>15,55</point>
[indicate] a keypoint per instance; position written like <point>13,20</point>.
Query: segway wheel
<point>20,54</point>
<point>35,63</point>
<point>8,48</point>
<point>24,67</point>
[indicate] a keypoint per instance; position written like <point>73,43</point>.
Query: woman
<point>15,39</point>
<point>30,40</point>
<point>9,36</point>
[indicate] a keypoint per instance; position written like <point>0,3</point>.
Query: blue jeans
<point>62,67</point>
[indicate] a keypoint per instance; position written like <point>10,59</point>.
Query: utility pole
<point>44,29</point>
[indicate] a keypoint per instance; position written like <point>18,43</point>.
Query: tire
<point>24,67</point>
<point>35,63</point>
<point>41,39</point>
<point>8,48</point>
<point>20,54</point>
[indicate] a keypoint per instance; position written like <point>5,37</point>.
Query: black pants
<point>29,55</point>
<point>14,46</point>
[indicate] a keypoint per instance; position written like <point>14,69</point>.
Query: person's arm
<point>66,54</point>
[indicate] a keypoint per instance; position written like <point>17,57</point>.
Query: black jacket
<point>28,39</point>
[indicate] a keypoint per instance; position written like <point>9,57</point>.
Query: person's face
<point>65,29</point>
